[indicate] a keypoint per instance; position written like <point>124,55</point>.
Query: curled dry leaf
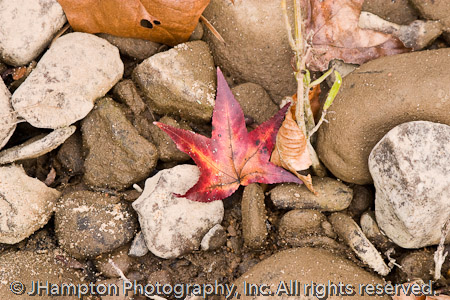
<point>163,21</point>
<point>291,151</point>
<point>332,32</point>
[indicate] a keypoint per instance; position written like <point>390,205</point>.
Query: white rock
<point>26,204</point>
<point>78,69</point>
<point>173,226</point>
<point>410,167</point>
<point>36,148</point>
<point>27,27</point>
<point>7,116</point>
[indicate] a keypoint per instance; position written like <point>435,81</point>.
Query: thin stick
<point>211,27</point>
<point>439,255</point>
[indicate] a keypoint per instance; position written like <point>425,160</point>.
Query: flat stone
<point>119,257</point>
<point>254,216</point>
<point>255,102</point>
<point>88,224</point>
<point>117,156</point>
<point>173,226</point>
<point>27,27</point>
<point>298,223</point>
<point>410,167</point>
<point>438,10</point>
<point>214,239</point>
<point>136,48</point>
<point>375,98</point>
<point>26,204</point>
<point>257,48</point>
<point>72,74</point>
<point>180,81</point>
<point>400,11</point>
<point>126,92</point>
<point>29,268</point>
<point>306,265</point>
<point>332,195</point>
<point>8,118</point>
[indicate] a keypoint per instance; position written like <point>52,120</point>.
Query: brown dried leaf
<point>291,151</point>
<point>163,21</point>
<point>333,33</point>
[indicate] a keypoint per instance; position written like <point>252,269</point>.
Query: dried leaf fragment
<point>163,21</point>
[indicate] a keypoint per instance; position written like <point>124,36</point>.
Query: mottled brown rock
<point>375,98</point>
<point>332,195</point>
<point>398,11</point>
<point>117,156</point>
<point>136,48</point>
<point>90,223</point>
<point>434,10</point>
<point>300,223</point>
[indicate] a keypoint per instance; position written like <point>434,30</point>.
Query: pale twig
<point>439,255</point>
<point>212,29</point>
<point>119,272</point>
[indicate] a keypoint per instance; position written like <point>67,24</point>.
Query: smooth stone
<point>332,195</point>
<point>363,199</point>
<point>88,224</point>
<point>410,167</point>
<point>257,48</point>
<point>117,155</point>
<point>167,149</point>
<point>27,27</point>
<point>70,154</point>
<point>371,230</point>
<point>8,118</point>
<point>214,239</point>
<point>118,257</point>
<point>173,226</point>
<point>299,223</point>
<point>400,11</point>
<point>417,264</point>
<point>136,48</point>
<point>306,265</point>
<point>351,233</point>
<point>375,98</point>
<point>28,267</point>
<point>180,81</point>
<point>254,229</point>
<point>72,74</point>
<point>255,102</point>
<point>26,204</point>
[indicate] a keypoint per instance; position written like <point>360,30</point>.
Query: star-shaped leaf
<point>232,156</point>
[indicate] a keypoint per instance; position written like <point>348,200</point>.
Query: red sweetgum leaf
<point>332,32</point>
<point>163,21</point>
<point>232,156</point>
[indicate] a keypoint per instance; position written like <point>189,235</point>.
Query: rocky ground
<point>98,205</point>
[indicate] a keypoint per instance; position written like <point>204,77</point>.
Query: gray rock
<point>174,226</point>
<point>306,265</point>
<point>125,91</point>
<point>181,81</point>
<point>257,48</point>
<point>254,216</point>
<point>90,223</point>
<point>352,234</point>
<point>34,148</point>
<point>26,204</point>
<point>136,48</point>
<point>8,117</point>
<point>332,195</point>
<point>214,239</point>
<point>297,224</point>
<point>72,74</point>
<point>138,246</point>
<point>410,169</point>
<point>28,267</point>
<point>117,155</point>
<point>27,27</point>
<point>399,11</point>
<point>375,98</point>
<point>255,102</point>
<point>167,150</point>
